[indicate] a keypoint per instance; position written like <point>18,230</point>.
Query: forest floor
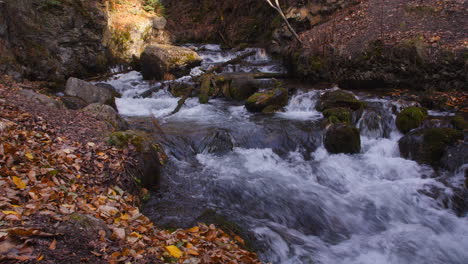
<point>436,23</point>
<point>66,196</point>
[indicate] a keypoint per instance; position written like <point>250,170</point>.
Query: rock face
<point>160,60</point>
<point>107,114</point>
<point>268,102</point>
<point>90,93</point>
<point>41,99</point>
<point>339,98</point>
<point>410,118</point>
<point>50,40</point>
<point>428,146</point>
<point>342,138</point>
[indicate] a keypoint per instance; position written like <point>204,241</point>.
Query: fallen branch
<point>181,102</point>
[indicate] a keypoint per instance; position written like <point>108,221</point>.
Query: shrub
<point>153,6</point>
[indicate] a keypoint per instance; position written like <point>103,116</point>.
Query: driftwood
<point>181,102</point>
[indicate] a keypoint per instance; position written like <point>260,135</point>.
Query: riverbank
<point>68,196</point>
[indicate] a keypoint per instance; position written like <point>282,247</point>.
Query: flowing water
<point>271,175</point>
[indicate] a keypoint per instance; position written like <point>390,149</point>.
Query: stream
<point>270,174</point>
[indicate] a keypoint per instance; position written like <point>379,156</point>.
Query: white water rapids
<point>272,175</point>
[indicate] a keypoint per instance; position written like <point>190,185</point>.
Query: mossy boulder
<point>179,89</point>
<point>238,88</point>
<point>159,60</point>
<point>150,159</point>
<point>342,138</point>
<point>123,139</point>
<point>338,115</point>
<point>428,146</point>
<point>269,101</point>
<point>458,122</point>
<point>339,98</point>
<point>410,118</point>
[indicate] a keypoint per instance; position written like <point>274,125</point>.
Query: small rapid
<point>271,175</point>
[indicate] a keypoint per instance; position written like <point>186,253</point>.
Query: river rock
<point>108,114</point>
<point>455,156</point>
<point>268,101</point>
<point>341,138</point>
<point>428,146</point>
<point>160,60</point>
<point>89,92</point>
<point>73,102</point>
<point>41,98</point>
<point>458,122</point>
<point>150,155</point>
<point>410,118</point>
<point>339,98</point>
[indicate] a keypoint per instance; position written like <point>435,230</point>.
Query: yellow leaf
<point>174,251</point>
<point>194,229</point>
<point>10,213</point>
<point>19,183</point>
<point>125,217</point>
<point>29,156</point>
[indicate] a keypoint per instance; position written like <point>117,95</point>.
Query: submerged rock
<point>342,138</point>
<point>89,92</point>
<point>268,102</point>
<point>107,114</point>
<point>410,118</point>
<point>339,98</point>
<point>160,60</point>
<point>428,146</point>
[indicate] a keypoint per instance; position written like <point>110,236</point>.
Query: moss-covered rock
<point>339,98</point>
<point>458,122</point>
<point>159,60</point>
<point>151,156</point>
<point>428,145</point>
<point>123,139</point>
<point>205,89</point>
<point>268,102</point>
<point>410,118</point>
<point>341,138</point>
<point>338,115</point>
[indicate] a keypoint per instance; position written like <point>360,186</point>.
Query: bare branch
<point>277,7</point>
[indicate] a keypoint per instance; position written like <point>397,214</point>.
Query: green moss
<point>205,89</point>
<point>410,118</point>
<point>339,98</point>
<point>121,39</point>
<point>338,115</point>
<point>436,140</point>
<point>458,122</point>
<point>122,139</point>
